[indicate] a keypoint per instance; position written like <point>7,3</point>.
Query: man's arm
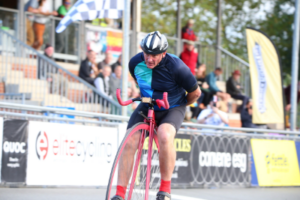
<point>193,96</point>
<point>223,118</point>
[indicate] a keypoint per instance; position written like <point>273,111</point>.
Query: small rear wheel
<point>136,186</point>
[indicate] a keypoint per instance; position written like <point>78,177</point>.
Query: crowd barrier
<point>36,153</point>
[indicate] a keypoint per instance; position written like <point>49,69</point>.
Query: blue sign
<point>60,115</point>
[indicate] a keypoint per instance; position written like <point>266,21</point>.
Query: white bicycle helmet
<point>154,43</point>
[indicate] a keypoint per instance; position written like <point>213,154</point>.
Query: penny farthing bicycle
<point>145,176</point>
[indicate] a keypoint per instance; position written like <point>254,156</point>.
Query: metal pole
<point>133,40</point>
<point>178,45</point>
<point>125,52</point>
<point>21,26</point>
<point>219,35</point>
<point>295,65</point>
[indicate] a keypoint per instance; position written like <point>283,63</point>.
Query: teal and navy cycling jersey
<point>170,75</point>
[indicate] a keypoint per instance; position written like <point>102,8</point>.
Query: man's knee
<point>166,134</point>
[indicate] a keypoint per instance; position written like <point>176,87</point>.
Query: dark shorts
<point>173,116</point>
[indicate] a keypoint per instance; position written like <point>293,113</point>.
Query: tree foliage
<point>273,17</point>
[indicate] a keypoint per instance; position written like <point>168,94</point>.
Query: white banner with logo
<point>64,154</point>
<point>1,138</point>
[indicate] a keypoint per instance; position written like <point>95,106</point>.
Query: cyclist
<point>157,71</point>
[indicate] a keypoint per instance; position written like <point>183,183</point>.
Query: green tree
<point>273,17</point>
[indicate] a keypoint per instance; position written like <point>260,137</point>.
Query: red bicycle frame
<point>150,119</point>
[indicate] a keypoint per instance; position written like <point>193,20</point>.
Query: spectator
<point>187,31</point>
<point>189,56</point>
<point>135,104</point>
<point>119,62</point>
<point>60,37</point>
<point>39,23</point>
<point>63,9</point>
<point>102,82</point>
<point>200,76</point>
<point>115,81</point>
<point>233,86</point>
<point>30,6</point>
<point>88,69</point>
<point>246,114</point>
<point>133,86</point>
<point>57,83</point>
<point>211,80</point>
<point>107,60</point>
<point>287,93</point>
<point>43,68</point>
<point>213,115</point>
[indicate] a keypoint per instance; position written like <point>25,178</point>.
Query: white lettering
<point>14,147</point>
<point>223,159</point>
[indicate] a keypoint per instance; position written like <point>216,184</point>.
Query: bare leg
<point>127,159</point>
<point>167,155</point>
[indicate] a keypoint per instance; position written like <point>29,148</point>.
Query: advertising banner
<point>220,159</point>
<point>275,162</point>
<point>204,159</point>
<point>63,154</point>
<point>14,151</point>
<point>1,137</point>
<point>266,81</point>
<point>101,40</point>
<point>182,173</point>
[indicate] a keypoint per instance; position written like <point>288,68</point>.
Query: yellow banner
<point>276,162</point>
<point>266,81</point>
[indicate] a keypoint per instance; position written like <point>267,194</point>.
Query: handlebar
<point>159,102</point>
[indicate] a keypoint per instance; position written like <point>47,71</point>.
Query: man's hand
<point>215,109</point>
<point>210,115</point>
<point>193,96</point>
<point>288,107</point>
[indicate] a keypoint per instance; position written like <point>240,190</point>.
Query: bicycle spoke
<point>140,168</point>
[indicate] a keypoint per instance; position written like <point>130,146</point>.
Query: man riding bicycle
<point>156,72</point>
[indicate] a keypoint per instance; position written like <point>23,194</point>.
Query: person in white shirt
<point>212,115</point>
<point>40,21</point>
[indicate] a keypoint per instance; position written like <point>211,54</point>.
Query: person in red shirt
<point>190,57</point>
<point>187,31</point>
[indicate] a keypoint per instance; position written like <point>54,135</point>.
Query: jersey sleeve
<point>185,78</point>
<point>132,65</point>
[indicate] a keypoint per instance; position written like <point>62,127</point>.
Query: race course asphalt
<point>177,194</point>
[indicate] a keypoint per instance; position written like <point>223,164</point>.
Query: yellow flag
<point>266,80</point>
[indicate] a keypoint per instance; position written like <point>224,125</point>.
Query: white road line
<point>178,197</point>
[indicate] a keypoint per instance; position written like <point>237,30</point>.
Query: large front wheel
<point>137,183</point>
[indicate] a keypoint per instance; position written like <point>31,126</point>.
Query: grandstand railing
<point>37,112</point>
<point>48,83</point>
<point>66,44</point>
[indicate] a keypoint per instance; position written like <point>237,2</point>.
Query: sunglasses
<point>68,3</point>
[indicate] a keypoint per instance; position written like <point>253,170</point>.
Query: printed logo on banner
<point>42,145</point>
<point>181,173</point>
<point>63,150</point>
<point>69,147</point>
<point>220,160</point>
<point>258,58</point>
<point>14,151</point>
<point>276,162</point>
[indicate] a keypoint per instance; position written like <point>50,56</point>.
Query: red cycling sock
<point>165,186</point>
<point>121,191</point>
